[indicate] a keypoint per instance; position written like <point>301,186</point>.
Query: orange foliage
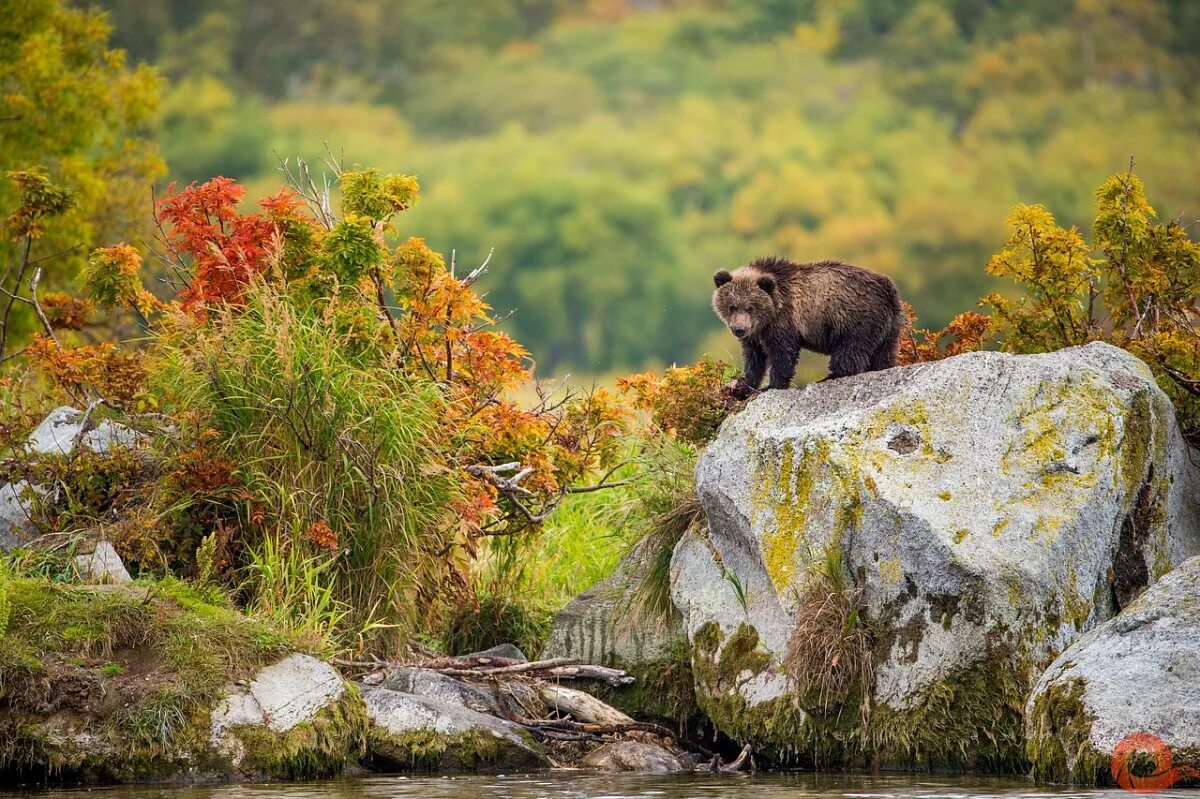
<point>224,249</point>
<point>65,312</point>
<point>690,401</point>
<point>114,374</point>
<point>322,536</point>
<point>965,333</point>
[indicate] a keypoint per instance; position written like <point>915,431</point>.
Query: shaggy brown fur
<point>777,307</point>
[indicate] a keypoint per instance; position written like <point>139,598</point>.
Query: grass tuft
<point>829,654</point>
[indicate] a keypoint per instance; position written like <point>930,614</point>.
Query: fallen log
<point>581,706</point>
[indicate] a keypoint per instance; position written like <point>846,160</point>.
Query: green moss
<point>427,750</point>
<point>131,671</point>
<point>335,738</point>
<point>663,690</point>
<point>969,720</point>
<point>1059,745</point>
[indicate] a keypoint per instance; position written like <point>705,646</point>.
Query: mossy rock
<point>983,513</point>
<point>418,733</point>
<point>1134,682</point>
<point>118,683</point>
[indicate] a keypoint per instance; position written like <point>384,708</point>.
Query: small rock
<point>281,696</point>
<point>634,756</point>
<point>295,689</point>
<point>104,565</point>
<point>16,510</point>
<point>62,427</point>
<point>109,435</point>
<point>435,685</point>
<point>57,433</point>
<point>417,733</point>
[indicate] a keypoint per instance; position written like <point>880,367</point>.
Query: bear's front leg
<point>783,362</point>
<point>754,363</point>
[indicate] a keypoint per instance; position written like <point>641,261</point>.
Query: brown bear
<point>777,307</point>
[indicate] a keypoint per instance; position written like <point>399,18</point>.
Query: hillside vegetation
<point>614,154</point>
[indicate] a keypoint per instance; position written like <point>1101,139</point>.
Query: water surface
<point>585,785</point>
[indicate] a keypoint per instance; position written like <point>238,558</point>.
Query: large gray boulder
<point>984,511</point>
<point>607,626</point>
<point>1136,674</point>
<point>420,733</point>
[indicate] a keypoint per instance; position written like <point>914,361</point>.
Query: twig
<point>12,297</point>
<point>33,300</point>
<point>479,271</point>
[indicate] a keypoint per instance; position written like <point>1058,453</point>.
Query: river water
<point>585,785</point>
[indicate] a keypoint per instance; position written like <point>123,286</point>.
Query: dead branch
<point>12,297</point>
<point>516,668</point>
<point>478,271</point>
<point>614,677</point>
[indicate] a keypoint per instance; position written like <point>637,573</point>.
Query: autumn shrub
<point>334,437</point>
<point>966,332</point>
<point>1135,286</point>
<point>688,402</point>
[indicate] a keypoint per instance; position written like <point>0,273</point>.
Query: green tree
<point>71,109</point>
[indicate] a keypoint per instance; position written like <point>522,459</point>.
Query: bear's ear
<point>767,284</point>
<point>721,278</point>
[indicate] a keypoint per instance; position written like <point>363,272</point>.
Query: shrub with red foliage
<point>222,248</point>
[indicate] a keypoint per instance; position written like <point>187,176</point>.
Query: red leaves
<point>225,250</point>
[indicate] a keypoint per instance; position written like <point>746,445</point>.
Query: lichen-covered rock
<point>1137,673</point>
<point>635,756</point>
<point>604,626</point>
<point>297,719</point>
<point>418,733</point>
<point>989,508</point>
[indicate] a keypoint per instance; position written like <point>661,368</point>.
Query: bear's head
<point>745,300</point>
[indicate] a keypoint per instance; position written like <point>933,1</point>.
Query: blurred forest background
<point>616,152</point>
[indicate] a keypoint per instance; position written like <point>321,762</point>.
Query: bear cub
<point>777,307</point>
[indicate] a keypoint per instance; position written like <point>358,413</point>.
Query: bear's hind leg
<point>884,356</point>
<point>849,359</point>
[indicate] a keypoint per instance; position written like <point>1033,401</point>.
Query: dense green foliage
<point>615,155</point>
<point>70,109</point>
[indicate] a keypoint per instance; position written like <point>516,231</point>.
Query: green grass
<point>185,646</point>
<point>523,581</point>
<point>320,434</point>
